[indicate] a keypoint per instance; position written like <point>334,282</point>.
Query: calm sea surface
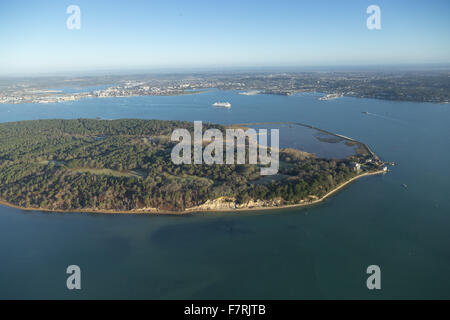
<point>316,252</point>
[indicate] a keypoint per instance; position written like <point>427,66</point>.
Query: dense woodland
<point>126,165</point>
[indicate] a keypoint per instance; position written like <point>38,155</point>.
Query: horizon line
<point>227,69</point>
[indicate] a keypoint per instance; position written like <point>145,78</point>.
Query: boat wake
<point>386,118</point>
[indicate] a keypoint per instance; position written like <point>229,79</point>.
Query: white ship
<point>222,104</point>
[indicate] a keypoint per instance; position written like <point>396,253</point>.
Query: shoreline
<point>188,211</point>
<point>202,90</point>
<point>79,98</point>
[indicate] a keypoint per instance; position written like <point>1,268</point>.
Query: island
<point>124,166</point>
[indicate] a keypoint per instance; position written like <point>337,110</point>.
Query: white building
<point>355,166</point>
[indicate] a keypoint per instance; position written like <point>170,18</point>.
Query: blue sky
<point>135,34</point>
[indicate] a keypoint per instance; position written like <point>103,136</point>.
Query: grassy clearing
<point>107,172</point>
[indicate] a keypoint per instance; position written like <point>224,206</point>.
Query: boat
<point>222,104</point>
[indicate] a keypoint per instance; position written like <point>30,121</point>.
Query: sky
<point>176,34</point>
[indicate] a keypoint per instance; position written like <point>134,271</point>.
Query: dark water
<point>316,252</point>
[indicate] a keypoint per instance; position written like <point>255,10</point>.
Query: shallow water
<point>321,144</point>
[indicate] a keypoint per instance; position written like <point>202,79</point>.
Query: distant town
<point>423,86</point>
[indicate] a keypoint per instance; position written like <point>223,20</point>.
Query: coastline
<point>80,96</point>
<point>191,211</point>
